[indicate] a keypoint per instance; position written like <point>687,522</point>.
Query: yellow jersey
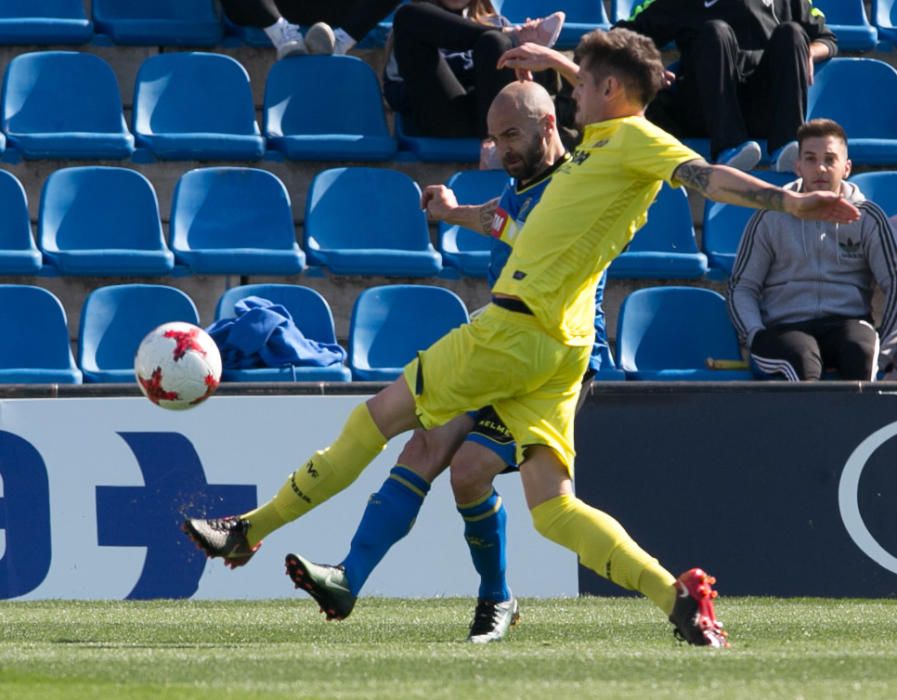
<point>587,215</point>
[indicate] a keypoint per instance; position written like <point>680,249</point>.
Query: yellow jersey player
<point>526,353</point>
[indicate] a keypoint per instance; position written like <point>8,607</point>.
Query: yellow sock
<point>605,547</point>
<point>328,472</point>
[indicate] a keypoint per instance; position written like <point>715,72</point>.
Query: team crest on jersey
<point>580,157</point>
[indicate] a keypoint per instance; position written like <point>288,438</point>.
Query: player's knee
<point>420,456</point>
<point>469,482</point>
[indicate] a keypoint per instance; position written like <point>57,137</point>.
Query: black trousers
<point>356,17</point>
<point>801,351</point>
<point>732,95</point>
<point>438,102</point>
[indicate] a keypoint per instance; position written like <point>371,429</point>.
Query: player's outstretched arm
<point>534,57</point>
<point>724,184</point>
<point>442,205</point>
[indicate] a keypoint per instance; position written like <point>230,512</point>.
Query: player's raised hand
<point>528,57</point>
<point>438,201</point>
<point>822,206</point>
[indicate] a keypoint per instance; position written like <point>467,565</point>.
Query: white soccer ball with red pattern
<point>178,365</point>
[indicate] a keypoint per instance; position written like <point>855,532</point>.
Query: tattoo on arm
<point>694,174</point>
<point>487,212</point>
<point>766,198</point>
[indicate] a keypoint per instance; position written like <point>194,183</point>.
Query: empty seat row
<point>101,220</point>
<point>194,106</point>
<point>388,328</point>
<point>199,106</point>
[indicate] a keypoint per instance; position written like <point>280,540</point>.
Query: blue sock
<point>484,530</point>
<point>388,517</point>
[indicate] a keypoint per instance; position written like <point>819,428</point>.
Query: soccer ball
<point>177,365</point>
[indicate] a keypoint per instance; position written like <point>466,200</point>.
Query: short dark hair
<point>820,128</point>
<point>631,57</point>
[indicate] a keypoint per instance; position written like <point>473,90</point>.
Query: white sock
<point>343,41</point>
<point>275,31</point>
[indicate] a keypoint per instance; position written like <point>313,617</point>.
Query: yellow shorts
<point>504,359</point>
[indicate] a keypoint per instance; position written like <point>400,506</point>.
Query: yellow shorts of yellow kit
<point>504,359</point>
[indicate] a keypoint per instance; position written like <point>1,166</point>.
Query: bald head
<point>523,125</point>
<point>523,98</point>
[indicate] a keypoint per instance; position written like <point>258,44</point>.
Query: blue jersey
<point>514,206</point>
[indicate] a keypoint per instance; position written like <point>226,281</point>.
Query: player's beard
<point>527,162</point>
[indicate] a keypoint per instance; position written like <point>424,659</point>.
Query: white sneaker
<point>543,31</point>
<point>785,158</point>
<point>744,157</point>
<point>288,40</point>
<point>320,40</point>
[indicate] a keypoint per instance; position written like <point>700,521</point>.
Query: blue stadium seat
<point>861,95</point>
<point>326,108</point>
<point>668,333</point>
<point>368,221</point>
<point>116,318</point>
<point>582,16</point>
<point>879,187</point>
<point>158,22</point>
<point>64,104</point>
<point>233,220</point>
<point>391,324</point>
<point>44,22</point>
<point>724,224</point>
<point>312,316</point>
<point>434,149</point>
<point>462,248</point>
<point>35,347</point>
<point>18,253</point>
<point>665,247</point>
<point>98,220</point>
<point>847,19</point>
<point>884,14</point>
<point>196,106</point>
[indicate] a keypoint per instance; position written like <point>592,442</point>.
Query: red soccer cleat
<point>693,613</point>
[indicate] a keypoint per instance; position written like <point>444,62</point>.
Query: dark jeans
<point>732,95</point>
<point>356,17</point>
<point>801,351</point>
<point>439,103</point>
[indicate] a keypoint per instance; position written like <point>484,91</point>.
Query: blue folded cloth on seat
<point>263,334</point>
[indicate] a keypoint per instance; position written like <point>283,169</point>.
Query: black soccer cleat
<point>327,584</point>
<point>492,620</point>
<point>222,537</point>
<point>693,614</point>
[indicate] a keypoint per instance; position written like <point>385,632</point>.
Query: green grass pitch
<point>562,650</point>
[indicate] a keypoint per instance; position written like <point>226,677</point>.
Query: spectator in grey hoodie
<point>800,294</point>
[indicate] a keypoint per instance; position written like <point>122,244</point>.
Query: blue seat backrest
<point>577,11</point>
<point>858,93</point>
<point>310,311</point>
<point>15,225</point>
<point>34,317</point>
<point>879,187</point>
<point>154,9</point>
<point>116,318</point>
<point>90,207</point>
<point>60,91</point>
<point>51,9</point>
<point>847,12</point>
<point>390,324</point>
<point>231,207</point>
<point>323,95</point>
<point>673,328</point>
<point>359,207</point>
<point>193,92</point>
<point>475,187</point>
<point>669,226</point>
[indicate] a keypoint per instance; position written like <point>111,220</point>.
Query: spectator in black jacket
<point>744,72</point>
